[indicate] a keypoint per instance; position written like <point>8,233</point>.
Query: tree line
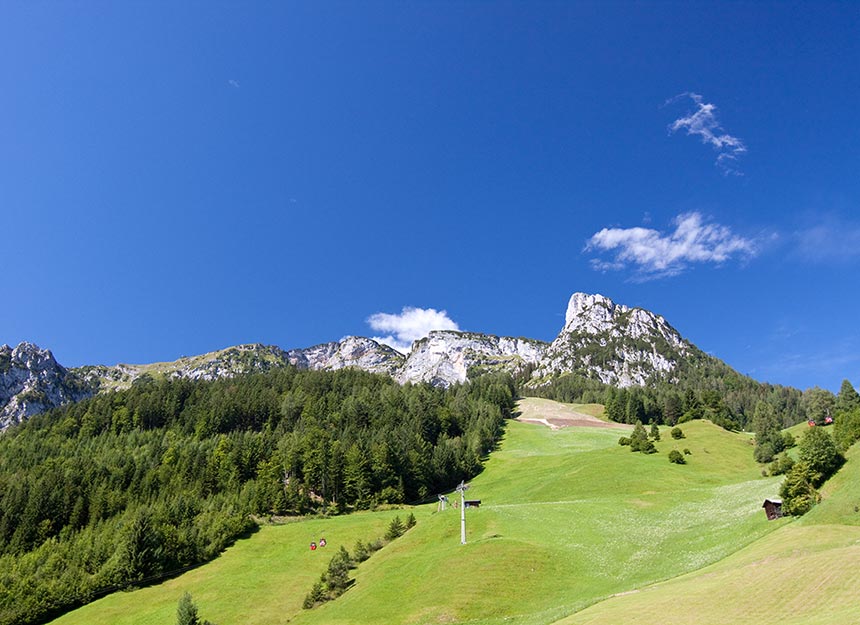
<point>707,390</point>
<point>128,486</point>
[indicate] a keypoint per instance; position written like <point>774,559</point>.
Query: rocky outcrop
<point>31,381</point>
<point>611,342</point>
<point>351,351</point>
<point>224,363</point>
<point>446,357</point>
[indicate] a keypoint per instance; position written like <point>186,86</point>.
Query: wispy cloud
<point>703,123</point>
<point>410,325</point>
<point>233,83</point>
<point>653,254</point>
<point>830,238</point>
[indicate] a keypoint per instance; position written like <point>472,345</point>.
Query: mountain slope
<point>805,573</point>
<point>567,517</point>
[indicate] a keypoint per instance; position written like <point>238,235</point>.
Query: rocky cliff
<point>31,381</point>
<point>446,357</point>
<point>611,342</point>
<point>351,351</point>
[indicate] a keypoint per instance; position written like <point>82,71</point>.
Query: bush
<point>788,440</point>
<point>677,433</point>
<point>624,441</point>
<point>781,465</point>
<point>676,457</point>
<point>687,452</point>
<point>655,432</point>
<point>410,521</point>
<point>764,453</point>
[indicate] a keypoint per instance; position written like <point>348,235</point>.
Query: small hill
<point>568,517</point>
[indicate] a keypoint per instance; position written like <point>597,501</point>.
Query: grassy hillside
<point>805,573</point>
<point>568,518</point>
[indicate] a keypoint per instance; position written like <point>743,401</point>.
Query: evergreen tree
<point>768,435</point>
<point>819,453</point>
<point>655,431</point>
<point>186,612</point>
<point>395,529</point>
<point>818,404</point>
<point>848,399</point>
<point>671,409</point>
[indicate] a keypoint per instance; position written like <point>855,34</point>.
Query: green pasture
<point>568,518</point>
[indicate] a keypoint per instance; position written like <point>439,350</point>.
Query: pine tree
<point>186,611</point>
<point>848,399</point>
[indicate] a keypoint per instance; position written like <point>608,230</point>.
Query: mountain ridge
<point>612,343</point>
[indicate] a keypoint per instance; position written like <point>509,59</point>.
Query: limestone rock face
<point>611,342</point>
<point>351,351</point>
<point>31,381</point>
<point>446,357</point>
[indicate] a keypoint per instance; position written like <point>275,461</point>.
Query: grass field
<point>568,518</point>
<point>805,573</point>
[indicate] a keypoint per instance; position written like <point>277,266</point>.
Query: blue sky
<point>178,179</point>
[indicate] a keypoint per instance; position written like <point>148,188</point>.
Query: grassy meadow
<point>568,519</point>
<point>805,573</point>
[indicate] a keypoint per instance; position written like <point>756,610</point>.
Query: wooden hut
<point>772,508</point>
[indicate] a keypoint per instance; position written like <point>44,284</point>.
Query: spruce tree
<point>186,611</point>
<point>848,399</point>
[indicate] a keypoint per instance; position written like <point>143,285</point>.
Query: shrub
<point>410,521</point>
<point>676,457</point>
<point>781,465</point>
<point>788,440</point>
<point>763,453</point>
<point>655,432</point>
<point>687,452</point>
<point>677,433</point>
<point>624,441</point>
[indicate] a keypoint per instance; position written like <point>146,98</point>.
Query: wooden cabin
<point>772,508</point>
<point>472,503</point>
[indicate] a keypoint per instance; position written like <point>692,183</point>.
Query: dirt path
<point>555,415</point>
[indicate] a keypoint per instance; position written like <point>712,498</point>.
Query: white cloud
<point>410,325</point>
<point>703,123</point>
<point>654,254</point>
<point>830,239</point>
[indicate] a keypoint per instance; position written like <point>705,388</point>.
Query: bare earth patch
<point>556,415</point>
